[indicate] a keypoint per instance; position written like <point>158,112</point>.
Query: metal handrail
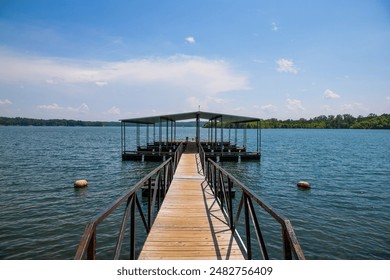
<point>179,151</point>
<point>161,177</point>
<point>202,156</point>
<point>87,244</point>
<point>221,183</point>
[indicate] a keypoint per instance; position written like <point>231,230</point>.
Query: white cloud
<point>194,103</point>
<point>53,106</point>
<point>217,100</point>
<point>141,84</point>
<point>355,109</point>
<point>285,65</point>
<point>54,80</point>
<point>328,94</point>
<point>327,108</point>
<point>205,102</point>
<point>388,98</point>
<point>83,108</point>
<point>259,61</point>
<point>269,108</point>
<point>190,40</point>
<point>240,109</point>
<point>101,84</point>
<point>5,102</point>
<point>275,26</point>
<point>294,105</point>
<point>353,106</point>
<point>114,111</point>
<point>179,71</point>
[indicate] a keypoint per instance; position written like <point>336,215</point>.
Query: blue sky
<point>108,60</point>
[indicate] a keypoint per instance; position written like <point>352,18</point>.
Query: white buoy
<point>303,185</point>
<point>80,184</point>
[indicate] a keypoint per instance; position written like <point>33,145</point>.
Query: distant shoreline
<point>345,121</point>
<point>17,121</point>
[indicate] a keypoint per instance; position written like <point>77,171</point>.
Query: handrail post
<point>247,228</point>
<point>150,203</point>
<point>170,173</point>
<point>208,172</point>
<point>157,182</point>
<point>259,235</point>
<point>230,208</point>
<point>286,244</point>
<point>221,191</point>
<point>91,253</point>
<point>132,227</point>
<point>215,181</point>
<point>164,190</point>
<point>122,229</point>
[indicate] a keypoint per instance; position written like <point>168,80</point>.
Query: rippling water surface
<point>345,215</point>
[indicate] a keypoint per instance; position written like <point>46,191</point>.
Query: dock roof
<point>191,115</point>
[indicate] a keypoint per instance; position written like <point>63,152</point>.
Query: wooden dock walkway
<point>190,224</point>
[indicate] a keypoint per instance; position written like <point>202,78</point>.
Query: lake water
<point>345,215</point>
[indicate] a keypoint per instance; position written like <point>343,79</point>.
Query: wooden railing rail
<point>221,183</point>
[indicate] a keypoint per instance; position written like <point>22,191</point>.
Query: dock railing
<point>221,182</point>
<point>179,151</point>
<point>202,158</point>
<point>157,183</point>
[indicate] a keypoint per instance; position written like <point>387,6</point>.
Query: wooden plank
<point>190,225</point>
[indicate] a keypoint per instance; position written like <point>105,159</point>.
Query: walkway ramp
<point>190,224</point>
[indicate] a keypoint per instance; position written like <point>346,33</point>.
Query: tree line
<point>5,121</point>
<point>345,121</point>
<point>371,121</point>
<point>52,122</point>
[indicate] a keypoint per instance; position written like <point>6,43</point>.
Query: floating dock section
<point>155,138</point>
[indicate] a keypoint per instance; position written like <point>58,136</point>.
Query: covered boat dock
<point>155,138</point>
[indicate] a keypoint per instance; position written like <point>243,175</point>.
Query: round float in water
<point>80,184</point>
<point>303,185</point>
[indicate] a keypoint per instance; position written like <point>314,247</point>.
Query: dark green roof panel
<point>191,115</point>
